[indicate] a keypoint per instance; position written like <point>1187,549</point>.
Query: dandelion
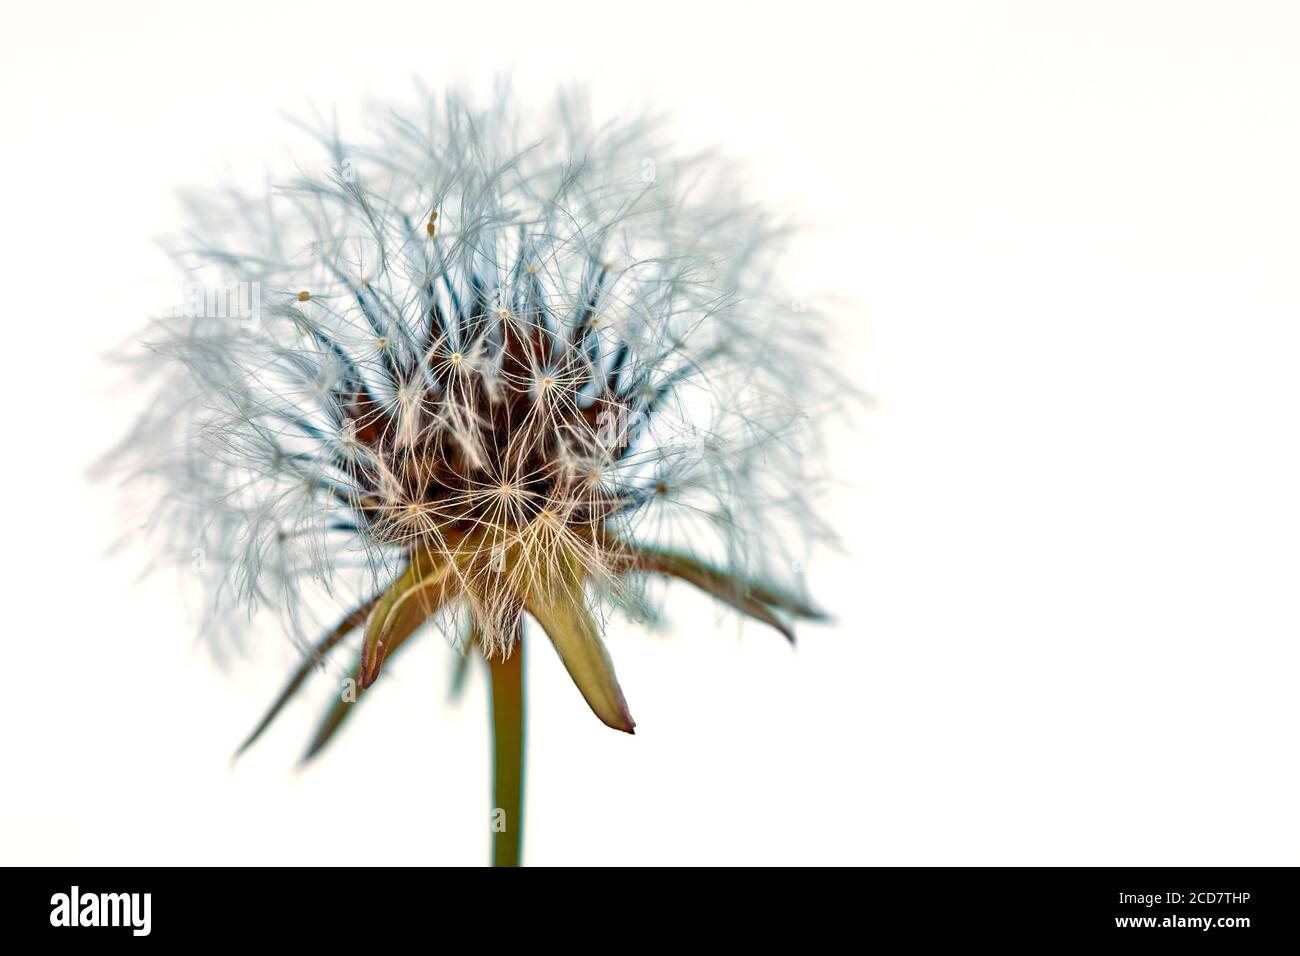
<point>499,374</point>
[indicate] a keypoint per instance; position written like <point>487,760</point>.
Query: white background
<point>1066,236</point>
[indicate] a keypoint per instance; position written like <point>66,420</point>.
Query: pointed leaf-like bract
<point>561,610</point>
<point>422,590</point>
<point>749,597</point>
<point>344,706</point>
<point>333,718</point>
<point>322,649</point>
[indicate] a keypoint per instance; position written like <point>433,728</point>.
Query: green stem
<point>507,678</point>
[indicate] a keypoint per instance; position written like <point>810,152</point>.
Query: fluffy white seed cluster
<point>511,340</point>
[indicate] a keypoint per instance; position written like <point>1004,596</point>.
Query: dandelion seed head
<point>513,381</point>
